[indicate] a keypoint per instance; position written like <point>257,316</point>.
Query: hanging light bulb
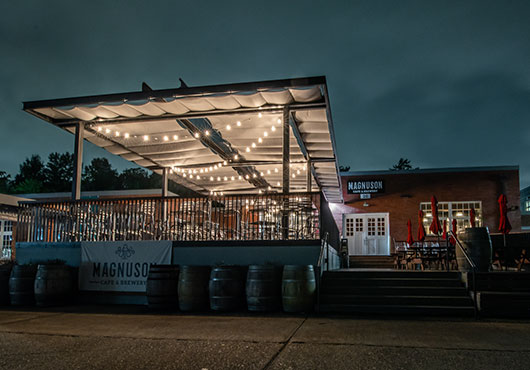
<point>146,138</point>
<point>218,178</point>
<point>232,178</point>
<point>211,168</point>
<point>247,177</point>
<point>184,174</point>
<point>215,167</point>
<point>201,170</point>
<point>175,137</point>
<point>198,177</point>
<point>293,175</point>
<point>238,123</point>
<point>107,130</point>
<point>273,128</point>
<point>279,120</point>
<point>260,115</point>
<point>240,177</point>
<point>225,163</point>
<point>220,165</point>
<point>276,170</point>
<point>262,174</point>
<point>190,171</point>
<point>166,138</point>
<point>268,172</point>
<point>298,172</point>
<point>207,132</point>
<point>260,140</point>
<point>259,191</point>
<point>236,157</point>
<point>269,188</point>
<point>197,135</point>
<point>253,145</point>
<point>228,127</point>
<point>278,183</point>
<point>247,150</point>
<point>254,175</point>
<point>211,178</point>
<point>126,135</point>
<point>265,134</point>
<point>100,128</point>
<point>225,178</point>
<point>117,133</point>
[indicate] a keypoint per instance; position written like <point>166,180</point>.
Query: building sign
<point>365,186</point>
<point>120,266</point>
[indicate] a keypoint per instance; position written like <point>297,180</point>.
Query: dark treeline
<point>55,175</point>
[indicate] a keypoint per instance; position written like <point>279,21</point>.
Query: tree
<point>99,175</point>
<point>5,182</point>
<point>403,165</point>
<point>59,172</point>
<point>31,168</point>
<point>134,178</point>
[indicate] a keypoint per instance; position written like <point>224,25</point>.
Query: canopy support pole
<point>308,172</point>
<point>286,146</point>
<point>78,160</point>
<point>165,177</point>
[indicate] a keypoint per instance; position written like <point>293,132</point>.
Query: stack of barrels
<point>43,285</point>
<point>258,288</point>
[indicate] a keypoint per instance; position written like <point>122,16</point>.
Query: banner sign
<point>365,186</point>
<point>120,266</point>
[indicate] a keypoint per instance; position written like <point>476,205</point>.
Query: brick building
<point>378,204</point>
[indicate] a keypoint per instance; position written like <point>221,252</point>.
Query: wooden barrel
<point>227,288</point>
<point>5,272</point>
<point>162,287</point>
<point>53,285</point>
<point>298,288</point>
<point>193,288</point>
<point>477,243</point>
<point>264,288</point>
<point>21,281</point>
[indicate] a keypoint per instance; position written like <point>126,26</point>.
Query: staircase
<point>503,293</point>
<point>424,293</point>
<point>371,262</point>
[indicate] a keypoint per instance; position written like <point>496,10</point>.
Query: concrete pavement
<point>132,338</point>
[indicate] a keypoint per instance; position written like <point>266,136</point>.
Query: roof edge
<point>432,170</point>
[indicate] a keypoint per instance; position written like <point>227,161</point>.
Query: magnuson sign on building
<point>365,186</point>
<point>120,266</point>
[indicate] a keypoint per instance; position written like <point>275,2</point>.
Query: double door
<point>367,234</point>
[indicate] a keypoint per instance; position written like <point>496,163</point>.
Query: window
<point>6,237</point>
<point>527,205</point>
<point>349,227</point>
<point>450,211</point>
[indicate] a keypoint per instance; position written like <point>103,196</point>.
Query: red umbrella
<point>444,235</point>
<point>472,217</point>
<point>410,240</point>
<point>421,229</point>
<point>504,224</point>
<point>451,239</point>
<point>435,227</point>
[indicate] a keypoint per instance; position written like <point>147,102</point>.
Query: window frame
<point>449,211</point>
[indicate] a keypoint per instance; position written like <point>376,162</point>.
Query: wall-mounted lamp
<point>366,204</point>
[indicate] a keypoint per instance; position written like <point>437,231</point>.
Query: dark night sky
<point>443,83</point>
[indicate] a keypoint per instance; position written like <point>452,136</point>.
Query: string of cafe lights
<point>199,173</point>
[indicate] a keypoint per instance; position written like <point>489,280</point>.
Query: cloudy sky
<point>443,83</point>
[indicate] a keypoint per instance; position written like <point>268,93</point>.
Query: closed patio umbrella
<point>444,234</point>
<point>472,217</point>
<point>451,239</point>
<point>421,229</point>
<point>504,223</point>
<point>435,227</point>
<point>410,240</point>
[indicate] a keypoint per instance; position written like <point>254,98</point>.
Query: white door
<point>367,233</point>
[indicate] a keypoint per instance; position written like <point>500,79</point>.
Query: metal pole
<point>165,175</point>
<point>78,160</point>
<point>308,171</point>
<point>285,171</point>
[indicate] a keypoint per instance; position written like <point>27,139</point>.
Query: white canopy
<point>225,138</point>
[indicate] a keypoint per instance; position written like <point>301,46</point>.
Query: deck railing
<point>294,216</point>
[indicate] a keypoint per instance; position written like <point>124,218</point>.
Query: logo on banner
<point>125,252</point>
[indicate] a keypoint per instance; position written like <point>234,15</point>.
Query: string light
<point>265,134</point>
<point>126,135</point>
<point>117,134</point>
<point>273,128</point>
<point>146,138</point>
<point>238,123</point>
<point>175,137</point>
<point>197,135</point>
<point>247,150</point>
<point>166,138</point>
<point>260,115</point>
<point>107,130</point>
<point>279,121</point>
<point>253,145</point>
<point>236,157</point>
<point>228,127</point>
<point>260,140</point>
<point>100,128</point>
<point>206,132</point>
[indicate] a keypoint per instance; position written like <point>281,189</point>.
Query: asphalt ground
<point>128,337</point>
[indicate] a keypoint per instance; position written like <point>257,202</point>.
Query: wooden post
<point>286,146</point>
<point>78,160</point>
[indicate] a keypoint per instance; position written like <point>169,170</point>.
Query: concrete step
<point>345,274</point>
<point>384,281</point>
<point>404,300</point>
<point>416,310</point>
<point>501,281</point>
<point>504,303</point>
<point>394,290</point>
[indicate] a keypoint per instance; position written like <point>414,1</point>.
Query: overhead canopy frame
<point>222,138</point>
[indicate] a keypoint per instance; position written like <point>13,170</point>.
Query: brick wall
<point>404,192</point>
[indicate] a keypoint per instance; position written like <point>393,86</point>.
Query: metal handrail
<point>319,267</point>
<point>473,269</point>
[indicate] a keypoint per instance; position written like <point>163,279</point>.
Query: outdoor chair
<point>524,259</point>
